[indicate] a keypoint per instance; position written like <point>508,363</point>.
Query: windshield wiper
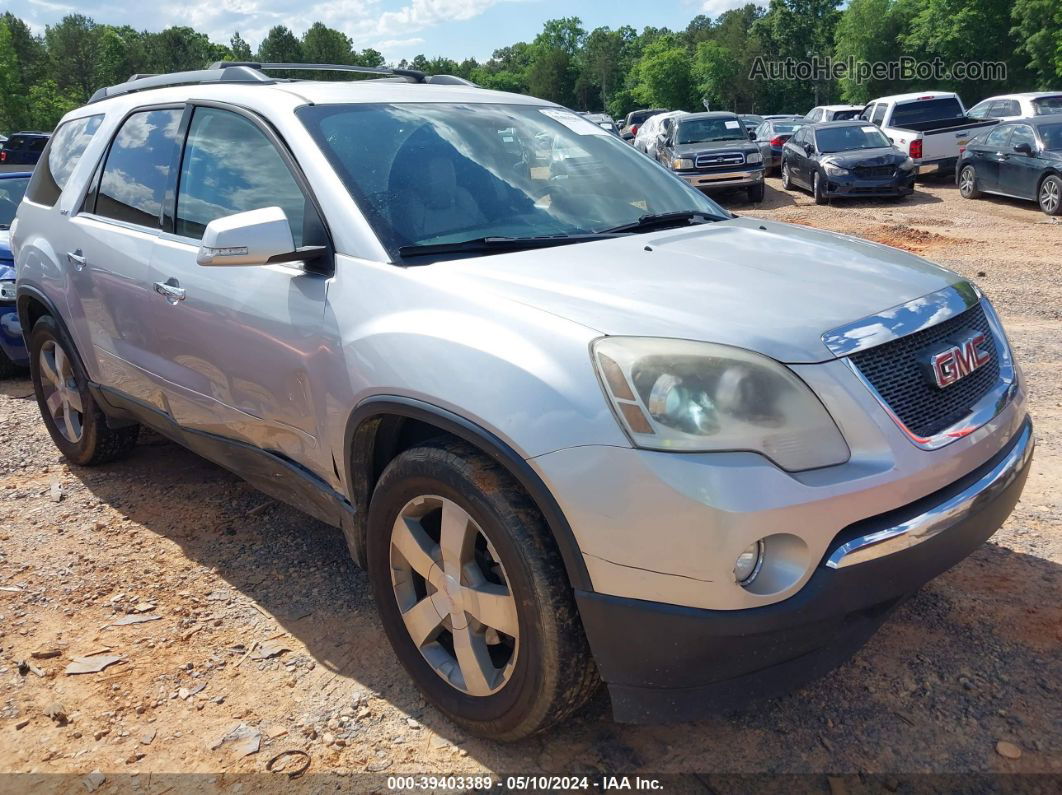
<point>660,220</point>
<point>479,245</point>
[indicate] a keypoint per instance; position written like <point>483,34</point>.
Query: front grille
<point>875,172</point>
<point>716,159</point>
<point>897,371</point>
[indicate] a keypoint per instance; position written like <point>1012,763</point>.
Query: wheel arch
<point>382,427</point>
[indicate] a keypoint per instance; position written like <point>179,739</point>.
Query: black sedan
<point>771,137</point>
<point>1020,158</point>
<point>846,158</point>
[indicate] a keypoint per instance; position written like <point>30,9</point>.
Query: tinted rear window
<point>138,168</point>
<point>926,110</point>
<point>844,115</point>
<point>1047,105</point>
<point>61,155</point>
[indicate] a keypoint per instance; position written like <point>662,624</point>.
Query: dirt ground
<point>262,630</point>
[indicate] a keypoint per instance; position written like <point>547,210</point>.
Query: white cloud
<point>714,8</point>
<point>388,44</point>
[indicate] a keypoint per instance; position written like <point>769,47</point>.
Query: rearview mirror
<point>256,237</point>
<point>1024,148</point>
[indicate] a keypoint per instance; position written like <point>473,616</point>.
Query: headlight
<point>681,164</point>
<point>907,165</point>
<point>689,396</point>
<point>754,157</point>
<point>7,291</point>
<point>835,170</point>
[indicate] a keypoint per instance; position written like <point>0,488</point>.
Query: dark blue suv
<point>13,354</point>
<point>23,148</point>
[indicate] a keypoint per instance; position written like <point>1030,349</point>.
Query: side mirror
<point>256,237</point>
<point>752,135</point>
<point>1024,148</point>
<point>808,149</point>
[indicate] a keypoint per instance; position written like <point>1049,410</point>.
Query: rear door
<point>110,246</point>
<point>235,351</point>
<point>1019,173</point>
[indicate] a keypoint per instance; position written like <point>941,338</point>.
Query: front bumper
<point>663,662</point>
<point>734,178</point>
<point>900,185</point>
<point>11,342</point>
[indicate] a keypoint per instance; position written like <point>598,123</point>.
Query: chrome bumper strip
<point>943,516</point>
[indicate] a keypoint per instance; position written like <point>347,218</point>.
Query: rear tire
<point>530,667</point>
<point>1049,196</point>
<point>968,183</point>
<point>76,424</point>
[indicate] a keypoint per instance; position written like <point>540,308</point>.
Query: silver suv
<point>578,422</point>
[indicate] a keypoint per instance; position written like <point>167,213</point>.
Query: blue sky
<point>398,28</point>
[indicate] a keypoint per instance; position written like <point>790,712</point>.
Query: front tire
<point>76,424</point>
<point>755,193</point>
<point>968,183</point>
<point>1049,196</point>
<point>817,190</point>
<point>473,594</point>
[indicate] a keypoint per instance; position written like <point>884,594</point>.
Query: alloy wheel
<point>61,394</point>
<point>1049,196</point>
<point>453,595</point>
<point>966,182</point>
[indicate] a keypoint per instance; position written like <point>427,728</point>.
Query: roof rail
<point>385,71</point>
<point>220,74</point>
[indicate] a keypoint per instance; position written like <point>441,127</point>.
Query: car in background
<point>23,148</point>
<point>1021,159</point>
<point>13,355</point>
<point>832,113</point>
<point>712,151</point>
<point>602,120</point>
<point>750,120</point>
<point>634,120</point>
<point>771,137</point>
<point>648,136</point>
<point>846,158</point>
<point>1018,106</point>
<point>782,116</point>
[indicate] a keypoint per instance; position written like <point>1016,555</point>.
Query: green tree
<point>280,46</point>
<point>23,61</point>
<point>551,76</point>
<point>663,76</point>
<point>369,57</point>
<point>73,51</point>
<point>801,30</point>
<point>1037,33</point>
<point>868,32</point>
<point>607,56</point>
<point>240,49</point>
<point>120,55</point>
<point>178,49</point>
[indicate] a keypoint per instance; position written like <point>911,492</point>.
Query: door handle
<point>76,259</point>
<point>171,292</point>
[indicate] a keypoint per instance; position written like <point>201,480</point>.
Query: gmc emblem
<point>950,364</point>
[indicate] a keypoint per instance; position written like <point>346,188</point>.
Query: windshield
<point>696,131</point>
<point>1045,106</point>
<point>434,173</point>
<point>926,110</point>
<point>11,191</point>
<point>786,128</point>
<point>1052,135</point>
<point>844,115</point>
<point>845,139</point>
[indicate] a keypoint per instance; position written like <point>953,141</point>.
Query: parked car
<point>649,133</point>
<point>22,148</point>
<point>783,117</point>
<point>930,127</point>
<point>575,429</point>
<point>13,355</point>
<point>1018,106</point>
<point>846,158</point>
<point>750,121</point>
<point>634,120</point>
<point>1021,159</point>
<point>602,120</point>
<point>771,137</point>
<point>832,113</point>
<point>711,151</point>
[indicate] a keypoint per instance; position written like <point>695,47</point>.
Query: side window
<point>1013,108</point>
<point>998,137</point>
<point>138,166</point>
<point>978,111</point>
<point>867,111</point>
<point>879,113</point>
<point>61,155</point>
<point>1023,134</point>
<point>231,167</point>
<point>997,109</point>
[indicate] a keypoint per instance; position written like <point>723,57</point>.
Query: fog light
<point>748,564</point>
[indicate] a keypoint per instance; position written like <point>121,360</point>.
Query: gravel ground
<point>266,634</point>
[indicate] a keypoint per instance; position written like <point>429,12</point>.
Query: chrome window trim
<point>941,517</point>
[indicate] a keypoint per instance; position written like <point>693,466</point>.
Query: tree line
<point>710,61</point>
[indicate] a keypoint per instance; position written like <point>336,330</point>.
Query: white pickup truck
<point>931,126</point>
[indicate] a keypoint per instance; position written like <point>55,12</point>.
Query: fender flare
<point>356,457</point>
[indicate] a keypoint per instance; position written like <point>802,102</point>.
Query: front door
<point>237,345</point>
<point>1020,173</point>
<point>987,156</point>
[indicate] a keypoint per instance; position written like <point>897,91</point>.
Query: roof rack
<point>254,72</point>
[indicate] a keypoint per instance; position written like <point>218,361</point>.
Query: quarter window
<point>61,155</point>
<point>230,167</point>
<point>138,168</point>
<point>879,113</point>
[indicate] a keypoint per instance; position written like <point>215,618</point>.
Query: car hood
<point>715,146</point>
<point>886,156</point>
<point>770,287</point>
